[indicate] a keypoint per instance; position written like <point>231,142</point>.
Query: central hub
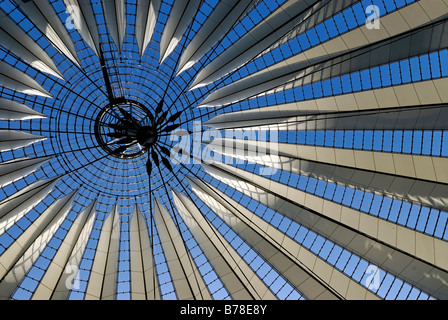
<point>146,136</point>
<point>125,129</point>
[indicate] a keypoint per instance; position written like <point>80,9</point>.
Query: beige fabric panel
<point>313,64</point>
<point>421,167</point>
<point>14,207</point>
<point>96,277</point>
<point>13,170</point>
<point>184,274</point>
<point>266,35</point>
<point>69,277</point>
<point>52,280</point>
<point>295,262</point>
<point>109,290</point>
<point>419,247</point>
<point>22,45</point>
<point>142,264</point>
<point>250,279</point>
<point>19,81</point>
<point>12,110</point>
<point>84,21</point>
<point>284,157</point>
<point>115,16</point>
<point>221,258</point>
<point>181,13</point>
<point>21,255</point>
<point>12,139</point>
<point>48,22</point>
<point>385,254</point>
<point>145,22</point>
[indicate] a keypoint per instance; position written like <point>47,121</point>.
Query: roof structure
<point>223,149</point>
